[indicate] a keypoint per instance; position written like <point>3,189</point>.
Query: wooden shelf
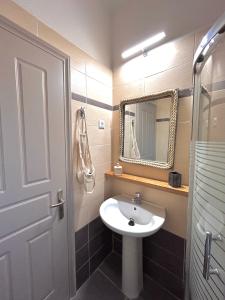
<point>156,184</point>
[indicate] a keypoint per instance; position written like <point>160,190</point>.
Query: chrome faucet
<point>137,198</point>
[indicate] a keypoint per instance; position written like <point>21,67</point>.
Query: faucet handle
<point>137,198</point>
<point>138,194</point>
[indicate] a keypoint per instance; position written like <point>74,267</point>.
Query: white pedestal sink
<point>144,219</point>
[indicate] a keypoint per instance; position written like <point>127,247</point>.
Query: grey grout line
<point>89,258</point>
<point>86,100</point>
<point>112,282</point>
<point>100,248</point>
<point>171,253</point>
<point>85,282</point>
<point>100,271</point>
<point>116,107</point>
<point>164,269</point>
<point>162,287</point>
<point>87,261</point>
<point>77,97</point>
<point>182,93</point>
<point>104,260</point>
<point>77,250</point>
<point>162,120</point>
<point>97,234</point>
<point>120,289</point>
<point>107,277</point>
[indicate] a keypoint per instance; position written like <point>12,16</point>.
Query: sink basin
<point>116,213</point>
<point>133,222</point>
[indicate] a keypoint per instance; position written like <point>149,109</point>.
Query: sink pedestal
<point>132,270</point>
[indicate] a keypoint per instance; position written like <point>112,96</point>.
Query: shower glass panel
<point>206,251</point>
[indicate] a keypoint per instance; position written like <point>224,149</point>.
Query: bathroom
<point>81,80</point>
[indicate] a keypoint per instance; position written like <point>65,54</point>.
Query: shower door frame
<point>36,41</point>
<point>201,55</point>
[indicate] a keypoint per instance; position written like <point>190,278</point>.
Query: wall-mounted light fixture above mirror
<point>148,129</point>
<point>143,46</point>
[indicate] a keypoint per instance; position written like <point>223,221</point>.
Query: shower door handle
<point>207,271</point>
<point>207,255</point>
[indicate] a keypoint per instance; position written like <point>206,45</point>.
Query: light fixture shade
<point>143,45</point>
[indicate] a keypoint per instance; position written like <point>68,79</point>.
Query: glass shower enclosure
<point>205,263</point>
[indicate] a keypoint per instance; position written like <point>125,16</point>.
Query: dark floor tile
<point>153,291</point>
<point>95,227</point>
<point>117,245</point>
<point>82,275</point>
<point>98,287</point>
<point>163,277</point>
<point>110,277</point>
<point>164,258</point>
<point>103,238</point>
<point>169,241</point>
<point>82,256</point>
<point>117,235</point>
<point>98,257</point>
<point>81,237</point>
<point>112,268</point>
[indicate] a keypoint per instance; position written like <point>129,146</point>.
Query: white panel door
<point>33,239</point>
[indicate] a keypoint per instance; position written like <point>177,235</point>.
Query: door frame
<point>36,41</point>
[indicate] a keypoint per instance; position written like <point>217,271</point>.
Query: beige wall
<point>166,67</point>
<point>88,78</point>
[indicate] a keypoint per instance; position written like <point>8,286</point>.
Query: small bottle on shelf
<point>118,169</point>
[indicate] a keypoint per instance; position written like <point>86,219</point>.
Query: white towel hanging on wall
<point>85,170</point>
<point>135,153</point>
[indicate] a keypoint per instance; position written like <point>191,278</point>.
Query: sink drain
<point>131,222</point>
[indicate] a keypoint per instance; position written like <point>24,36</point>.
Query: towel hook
<point>82,112</point>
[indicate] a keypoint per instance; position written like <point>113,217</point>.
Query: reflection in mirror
<point>147,130</point>
<point>148,127</point>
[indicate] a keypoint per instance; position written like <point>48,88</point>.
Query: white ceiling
<point>139,19</point>
<point>105,28</point>
<point>114,5</point>
<point>86,23</point>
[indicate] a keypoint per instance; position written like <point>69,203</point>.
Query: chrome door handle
<point>60,204</point>
<point>207,271</point>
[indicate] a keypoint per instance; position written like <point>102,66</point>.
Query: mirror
<point>148,129</point>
